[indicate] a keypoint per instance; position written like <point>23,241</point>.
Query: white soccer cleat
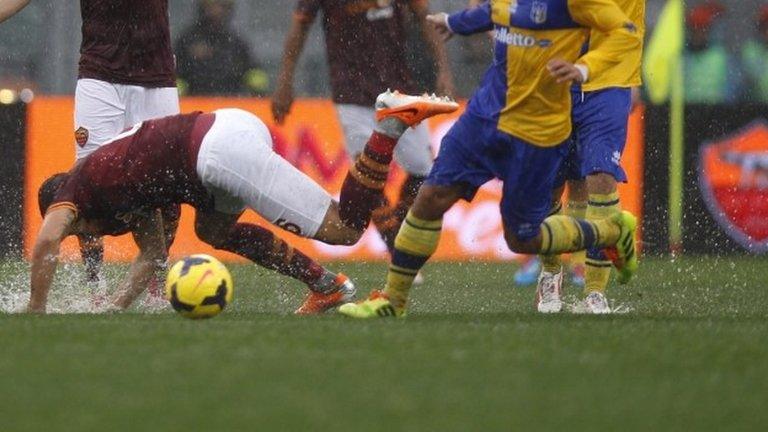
<point>412,110</point>
<point>596,303</point>
<point>418,279</point>
<point>548,291</point>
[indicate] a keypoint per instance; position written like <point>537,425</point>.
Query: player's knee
<point>518,245</point>
<point>601,183</point>
<point>433,201</point>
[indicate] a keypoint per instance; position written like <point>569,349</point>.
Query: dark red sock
<point>380,147</point>
<point>266,249</point>
<point>388,220</point>
<point>362,191</point>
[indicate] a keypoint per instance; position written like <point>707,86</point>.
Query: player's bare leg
<point>261,246</point>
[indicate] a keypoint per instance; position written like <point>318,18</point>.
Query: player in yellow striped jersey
<point>516,128</point>
<point>600,111</point>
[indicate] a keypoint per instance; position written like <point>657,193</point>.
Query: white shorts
<point>237,165</point>
<point>413,152</point>
<point>103,110</point>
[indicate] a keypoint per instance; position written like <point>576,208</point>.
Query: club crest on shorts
<point>81,136</point>
<point>733,178</point>
<point>539,12</point>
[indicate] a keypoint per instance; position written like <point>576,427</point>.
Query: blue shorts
<point>474,151</point>
<point>599,134</point>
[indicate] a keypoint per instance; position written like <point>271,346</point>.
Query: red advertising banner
<point>312,140</point>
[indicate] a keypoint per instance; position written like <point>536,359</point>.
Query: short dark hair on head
<point>48,190</point>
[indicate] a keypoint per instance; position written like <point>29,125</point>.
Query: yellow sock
<point>415,242</point>
<point>598,267</point>
<point>551,263</point>
<point>561,233</point>
<point>577,209</point>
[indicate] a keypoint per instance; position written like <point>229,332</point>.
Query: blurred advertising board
<point>311,140</point>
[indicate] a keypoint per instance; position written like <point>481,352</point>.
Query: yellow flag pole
<point>676,151</point>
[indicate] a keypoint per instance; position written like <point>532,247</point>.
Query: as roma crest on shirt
<point>733,176</point>
<point>81,136</point>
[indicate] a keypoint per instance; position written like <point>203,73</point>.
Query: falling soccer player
<point>516,128</point>
<point>600,112</point>
<point>220,163</point>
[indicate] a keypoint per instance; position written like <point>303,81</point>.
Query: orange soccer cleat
<point>412,110</point>
<point>317,303</point>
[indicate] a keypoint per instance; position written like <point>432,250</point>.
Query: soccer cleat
<point>624,253</point>
<point>418,279</point>
<point>528,272</point>
<point>548,292</point>
<point>377,305</point>
<point>596,303</point>
<point>412,110</point>
<point>317,303</point>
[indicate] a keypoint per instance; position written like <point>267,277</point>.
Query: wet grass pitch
<point>691,352</point>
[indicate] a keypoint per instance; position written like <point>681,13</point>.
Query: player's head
<point>48,190</point>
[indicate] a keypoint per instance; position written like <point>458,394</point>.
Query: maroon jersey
<point>127,42</point>
<point>152,165</point>
<point>366,46</point>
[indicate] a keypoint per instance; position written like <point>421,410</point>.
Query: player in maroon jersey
<point>126,75</point>
<point>220,163</point>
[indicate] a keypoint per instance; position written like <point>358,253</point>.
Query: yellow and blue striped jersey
<point>627,73</point>
<point>517,91</point>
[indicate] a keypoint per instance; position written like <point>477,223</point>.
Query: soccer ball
<point>199,286</point>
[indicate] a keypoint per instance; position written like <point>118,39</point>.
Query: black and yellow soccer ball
<point>199,286</point>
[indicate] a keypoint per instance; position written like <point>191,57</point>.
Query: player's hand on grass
<point>564,71</point>
<point>282,100</point>
<point>440,23</point>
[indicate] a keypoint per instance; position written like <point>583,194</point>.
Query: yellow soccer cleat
<point>624,254</point>
<point>377,305</point>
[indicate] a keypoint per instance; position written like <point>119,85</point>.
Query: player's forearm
<point>139,278</point>
<point>294,44</point>
<point>45,258</point>
<point>9,8</point>
<point>436,47</point>
<point>472,20</point>
<point>611,52</point>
